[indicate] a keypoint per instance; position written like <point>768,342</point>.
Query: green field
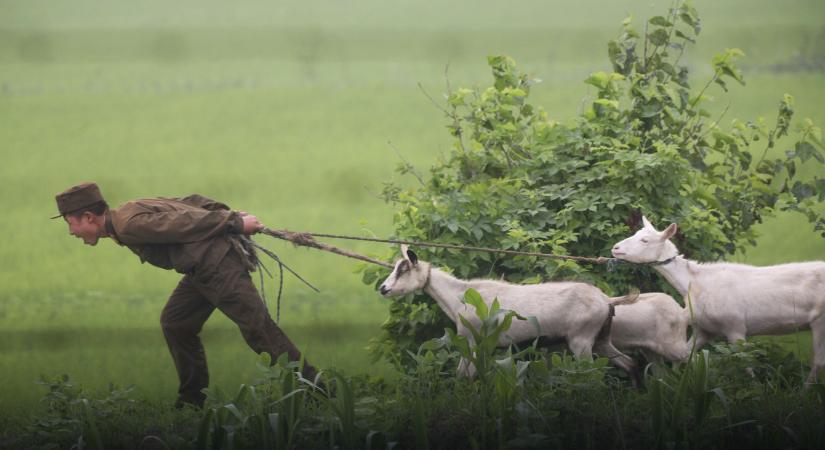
<point>292,111</point>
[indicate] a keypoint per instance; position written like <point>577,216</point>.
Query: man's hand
<point>251,224</point>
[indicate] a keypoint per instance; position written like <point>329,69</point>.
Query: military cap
<point>76,198</point>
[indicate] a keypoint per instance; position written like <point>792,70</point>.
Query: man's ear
<point>412,257</point>
<point>669,231</point>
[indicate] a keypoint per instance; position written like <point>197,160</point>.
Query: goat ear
<point>412,257</point>
<point>646,223</point>
<point>669,231</point>
<point>404,249</point>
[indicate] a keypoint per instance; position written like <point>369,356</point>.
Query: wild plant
<point>682,399</point>
<point>771,368</point>
<point>498,384</point>
<point>62,419</point>
<point>265,414</point>
<point>340,409</point>
<point>282,410</point>
<point>570,394</point>
<point>71,415</point>
<point>432,370</point>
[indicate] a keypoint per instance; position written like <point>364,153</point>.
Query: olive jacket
<point>175,233</point>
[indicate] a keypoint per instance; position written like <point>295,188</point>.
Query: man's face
<point>84,227</point>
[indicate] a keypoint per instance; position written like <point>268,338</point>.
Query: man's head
<point>83,208</point>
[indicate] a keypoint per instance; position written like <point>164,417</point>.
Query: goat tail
<point>630,298</point>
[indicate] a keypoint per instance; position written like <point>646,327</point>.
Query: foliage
<point>646,144</point>
<point>715,388</point>
<point>73,418</point>
<point>522,399</point>
<point>264,414</point>
<point>282,410</point>
<point>681,400</point>
<point>499,387</point>
<point>773,366</point>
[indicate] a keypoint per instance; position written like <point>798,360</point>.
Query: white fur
<point>738,300</point>
<point>655,323</point>
<point>573,311</point>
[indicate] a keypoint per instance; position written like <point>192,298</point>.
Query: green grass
<point>286,111</point>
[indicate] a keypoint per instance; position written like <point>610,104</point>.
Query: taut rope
<point>307,240</point>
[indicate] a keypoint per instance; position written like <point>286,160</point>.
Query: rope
<point>261,269</point>
<point>281,265</point>
<point>245,248</point>
<point>306,239</point>
<point>280,291</point>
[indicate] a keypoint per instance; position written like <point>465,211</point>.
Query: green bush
<point>645,145</point>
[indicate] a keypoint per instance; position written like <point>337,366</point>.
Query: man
<point>202,239</point>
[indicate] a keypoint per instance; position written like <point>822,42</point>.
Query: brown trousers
<point>229,288</point>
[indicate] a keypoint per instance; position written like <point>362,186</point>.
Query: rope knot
<point>299,238</point>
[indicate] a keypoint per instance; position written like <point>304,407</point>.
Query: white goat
<point>737,300</point>
<point>655,323</point>
<point>576,312</point>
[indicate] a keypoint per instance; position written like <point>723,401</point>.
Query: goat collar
<point>429,274</point>
<point>662,263</point>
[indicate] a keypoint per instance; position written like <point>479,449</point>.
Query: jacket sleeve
<point>178,227</point>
